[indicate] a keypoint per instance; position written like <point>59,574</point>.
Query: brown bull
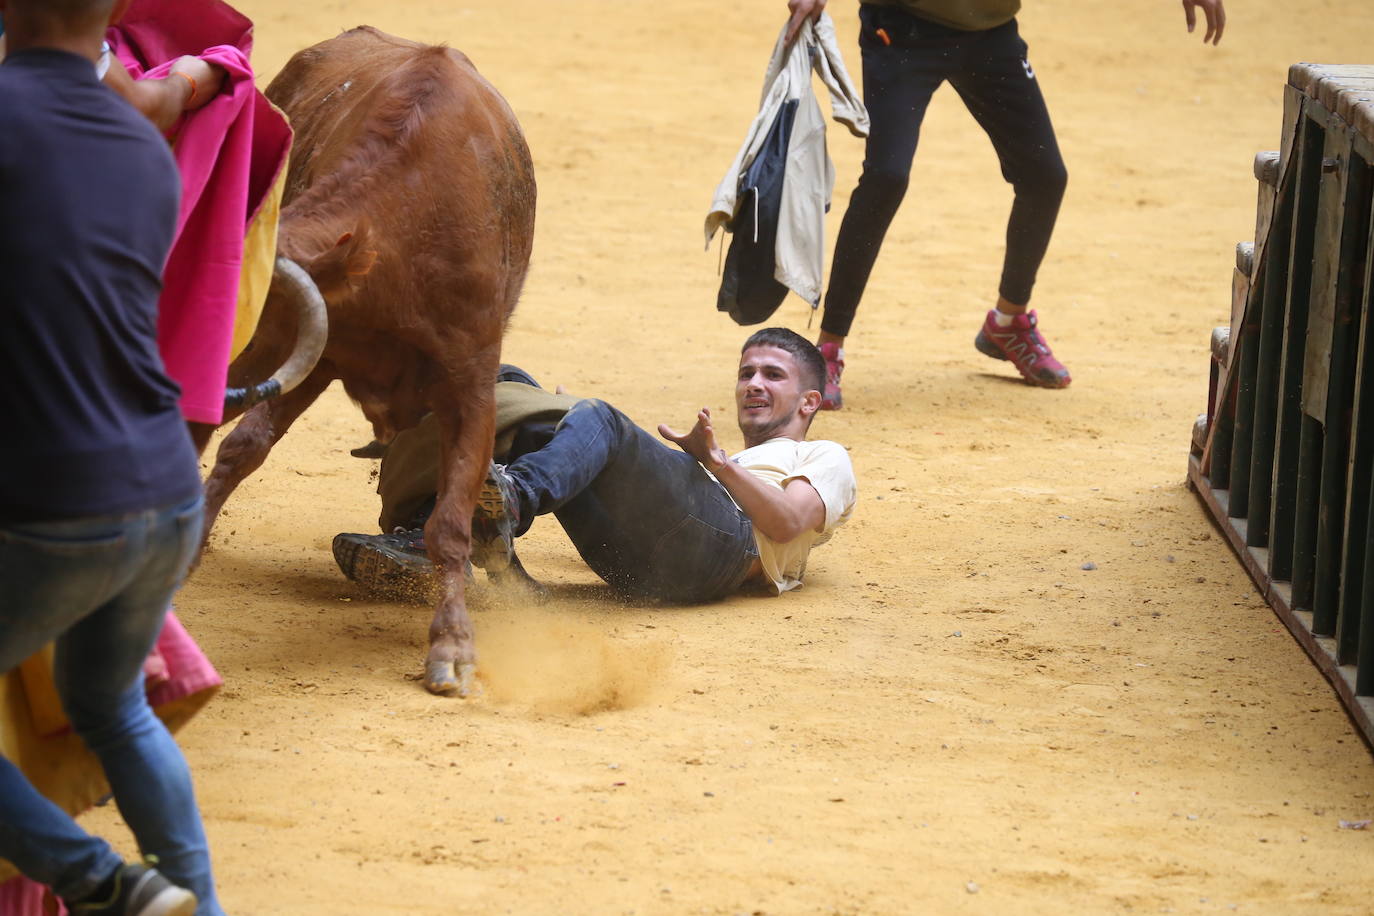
<point>410,203</point>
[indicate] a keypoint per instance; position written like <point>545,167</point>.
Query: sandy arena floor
<point>954,715</point>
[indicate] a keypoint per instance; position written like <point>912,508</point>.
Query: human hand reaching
<point>1215,13</point>
<point>699,441</point>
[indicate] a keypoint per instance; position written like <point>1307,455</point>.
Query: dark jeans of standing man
<point>101,588</point>
<point>644,515</point>
<point>992,75</point>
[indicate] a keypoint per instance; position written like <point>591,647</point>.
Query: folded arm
<point>190,85</point>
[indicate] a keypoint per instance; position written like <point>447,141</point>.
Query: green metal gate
<point>1284,457</point>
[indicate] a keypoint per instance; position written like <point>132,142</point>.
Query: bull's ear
<point>360,263</point>
<point>342,267</point>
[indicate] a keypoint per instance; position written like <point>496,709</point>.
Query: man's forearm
<point>781,515</point>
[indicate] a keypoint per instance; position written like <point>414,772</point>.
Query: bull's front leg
<point>466,421</point>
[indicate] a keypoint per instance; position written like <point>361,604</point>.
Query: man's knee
<point>104,718</point>
<point>885,182</point>
<point>1043,179</point>
<point>595,410</point>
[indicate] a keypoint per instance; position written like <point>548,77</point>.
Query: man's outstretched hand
<point>1213,10</point>
<point>699,441</point>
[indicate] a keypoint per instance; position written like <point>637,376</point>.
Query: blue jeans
<point>101,586</point>
<point>644,515</point>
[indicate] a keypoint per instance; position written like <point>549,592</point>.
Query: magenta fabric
<point>185,668</point>
<point>229,154</point>
<point>22,897</point>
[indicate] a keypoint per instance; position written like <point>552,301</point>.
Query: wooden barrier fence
<point>1284,457</point>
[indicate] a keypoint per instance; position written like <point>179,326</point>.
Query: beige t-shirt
<point>825,465</point>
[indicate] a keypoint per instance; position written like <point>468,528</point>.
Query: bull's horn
<point>312,328</point>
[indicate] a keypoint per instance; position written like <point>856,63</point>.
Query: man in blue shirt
<point>100,506</point>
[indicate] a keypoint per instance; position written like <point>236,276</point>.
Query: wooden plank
<point>1246,366</point>
<point>1245,258</point>
<point>1217,456</point>
<point>1266,169</point>
<point>1325,261</point>
<point>1349,342</point>
<point>1310,436</point>
<point>1308,76</point>
<point>1268,175</point>
<point>1288,395</point>
<point>1268,369</point>
<point>1345,101</point>
<point>1240,294</point>
<point>1294,101</point>
<point>1330,89</point>
<point>1221,434</point>
<point>1361,118</point>
<point>1362,453</point>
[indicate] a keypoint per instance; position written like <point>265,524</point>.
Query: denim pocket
<point>189,525</point>
<point>66,537</point>
<point>53,572</point>
<point>696,561</point>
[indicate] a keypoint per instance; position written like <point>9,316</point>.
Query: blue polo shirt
<point>88,204</point>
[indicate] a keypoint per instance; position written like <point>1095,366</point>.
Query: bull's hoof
<point>441,680</point>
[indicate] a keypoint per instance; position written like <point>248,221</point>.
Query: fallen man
<point>687,524</point>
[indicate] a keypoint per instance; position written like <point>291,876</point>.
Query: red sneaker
<point>833,354</point>
<point>1021,343</point>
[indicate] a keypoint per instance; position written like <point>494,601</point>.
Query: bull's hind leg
<point>467,418</point>
<point>245,449</point>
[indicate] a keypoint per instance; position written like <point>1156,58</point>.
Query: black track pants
<point>990,72</point>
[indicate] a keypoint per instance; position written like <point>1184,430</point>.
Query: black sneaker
<point>140,891</point>
<point>494,520</point>
<point>394,565</point>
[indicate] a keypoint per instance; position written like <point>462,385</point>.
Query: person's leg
<point>52,574</point>
<point>98,670</point>
<point>643,514</point>
<point>999,87</point>
<point>904,61</point>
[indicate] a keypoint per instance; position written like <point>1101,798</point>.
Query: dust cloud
<point>555,661</point>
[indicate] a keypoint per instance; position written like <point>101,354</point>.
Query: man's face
<point>770,398</point>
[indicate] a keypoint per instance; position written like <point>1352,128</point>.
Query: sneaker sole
<point>384,574</point>
<point>490,550</point>
<point>491,502</point>
<point>171,901</point>
<point>988,348</point>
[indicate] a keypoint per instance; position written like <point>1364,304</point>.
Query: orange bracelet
<point>190,80</point>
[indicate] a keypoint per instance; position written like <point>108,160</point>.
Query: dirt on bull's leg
<point>451,665</point>
<point>466,417</point>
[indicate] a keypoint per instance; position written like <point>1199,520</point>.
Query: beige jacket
<point>810,176</point>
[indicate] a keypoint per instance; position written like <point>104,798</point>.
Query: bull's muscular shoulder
<point>356,60</point>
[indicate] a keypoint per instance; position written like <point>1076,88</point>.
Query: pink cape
<point>229,154</point>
